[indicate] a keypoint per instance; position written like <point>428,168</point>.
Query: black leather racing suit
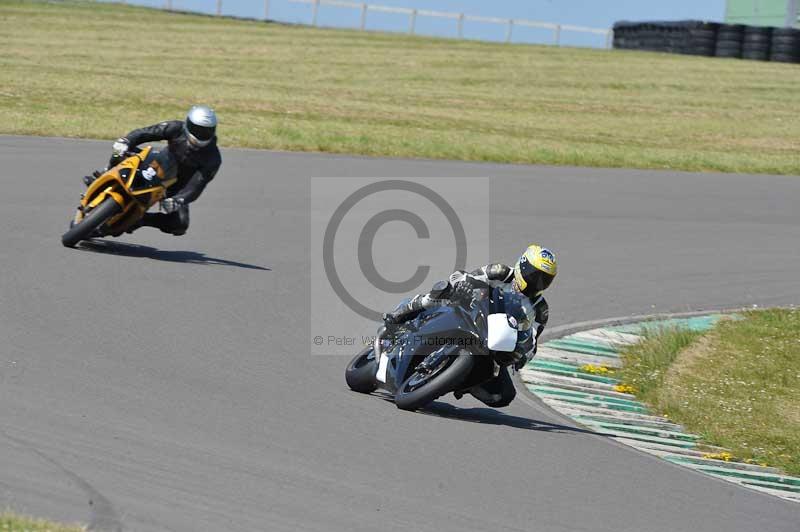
<point>197,166</point>
<point>499,391</point>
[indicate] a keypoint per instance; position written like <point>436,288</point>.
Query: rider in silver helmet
<point>193,144</point>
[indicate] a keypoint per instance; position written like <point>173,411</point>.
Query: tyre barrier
<point>756,43</point>
<point>710,39</point>
<point>785,45</point>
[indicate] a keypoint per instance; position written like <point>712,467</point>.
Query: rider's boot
<point>377,345</point>
<point>175,223</point>
<point>497,392</point>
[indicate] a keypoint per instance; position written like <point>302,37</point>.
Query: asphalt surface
<point>164,383</point>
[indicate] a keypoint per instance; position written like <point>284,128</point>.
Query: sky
<point>592,13</point>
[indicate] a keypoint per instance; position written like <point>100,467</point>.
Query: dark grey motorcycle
<point>447,349</point>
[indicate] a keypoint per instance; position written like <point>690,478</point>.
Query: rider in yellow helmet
<point>531,275</point>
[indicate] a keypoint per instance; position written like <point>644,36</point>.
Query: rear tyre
<point>360,372</point>
<point>96,217</point>
<point>449,379</point>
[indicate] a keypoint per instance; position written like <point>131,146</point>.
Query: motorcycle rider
<point>193,144</point>
<point>531,275</point>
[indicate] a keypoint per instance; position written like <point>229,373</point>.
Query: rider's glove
<point>390,319</point>
<point>461,291</point>
<point>120,147</point>
<point>171,204</point>
<point>530,347</point>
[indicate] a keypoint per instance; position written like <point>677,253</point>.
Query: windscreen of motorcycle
<point>157,167</point>
<point>519,310</point>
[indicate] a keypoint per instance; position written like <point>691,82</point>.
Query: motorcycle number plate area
<point>383,365</point>
<point>502,337</point>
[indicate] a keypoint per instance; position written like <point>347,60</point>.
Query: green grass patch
<point>80,69</point>
<point>11,522</point>
<point>645,364</point>
<point>738,385</point>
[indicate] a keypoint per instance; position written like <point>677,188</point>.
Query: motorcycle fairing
<point>136,184</point>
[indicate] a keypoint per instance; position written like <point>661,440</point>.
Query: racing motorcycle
<point>117,200</point>
<point>446,349</point>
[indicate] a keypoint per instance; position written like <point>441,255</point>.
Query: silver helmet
<point>201,125</point>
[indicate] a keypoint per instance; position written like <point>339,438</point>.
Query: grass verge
<point>11,522</point>
<point>738,385</point>
<point>80,69</point>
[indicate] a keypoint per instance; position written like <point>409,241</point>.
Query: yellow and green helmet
<point>535,270</point>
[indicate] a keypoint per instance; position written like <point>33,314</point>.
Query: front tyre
<point>86,227</point>
<point>361,371</point>
<point>420,389</point>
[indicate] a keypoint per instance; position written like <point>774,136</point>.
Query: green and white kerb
<point>574,376</point>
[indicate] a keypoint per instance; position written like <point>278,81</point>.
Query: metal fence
<point>556,30</point>
<point>459,19</point>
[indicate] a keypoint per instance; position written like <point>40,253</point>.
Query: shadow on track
<point>488,416</point>
<point>147,252</point>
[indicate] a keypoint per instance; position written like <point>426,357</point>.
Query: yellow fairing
<point>112,184</point>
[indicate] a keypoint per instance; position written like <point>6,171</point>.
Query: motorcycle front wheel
<point>361,371</point>
<point>424,387</point>
<point>96,217</point>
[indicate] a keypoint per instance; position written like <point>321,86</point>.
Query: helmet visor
<point>543,281</point>
<point>531,280</point>
<point>201,133</point>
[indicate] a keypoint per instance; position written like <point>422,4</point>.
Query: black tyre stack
<point>785,45</point>
<point>697,37</point>
<point>700,38</point>
<point>624,35</point>
<point>755,44</point>
<point>729,41</point>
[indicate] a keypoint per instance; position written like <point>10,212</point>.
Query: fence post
<point>610,39</point>
<point>219,7</point>
<point>363,16</point>
<point>557,35</point>
<point>510,30</point>
<point>412,22</point>
<point>314,13</point>
<point>266,9</point>
<point>461,26</point>
<point>791,14</point>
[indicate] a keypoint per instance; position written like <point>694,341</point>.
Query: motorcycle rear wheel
<point>96,217</point>
<point>446,381</point>
<point>361,371</point>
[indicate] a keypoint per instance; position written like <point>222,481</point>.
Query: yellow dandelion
<point>724,456</point>
<point>596,370</point>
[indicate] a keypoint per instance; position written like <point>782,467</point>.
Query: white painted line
<point>651,446</point>
<point>788,495</point>
<point>710,462</point>
<point>610,338</point>
<point>609,417</point>
<point>579,359</point>
<point>577,385</point>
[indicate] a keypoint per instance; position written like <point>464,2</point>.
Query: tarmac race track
<point>165,383</point>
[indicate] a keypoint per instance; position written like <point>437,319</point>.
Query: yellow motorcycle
<point>117,200</point>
